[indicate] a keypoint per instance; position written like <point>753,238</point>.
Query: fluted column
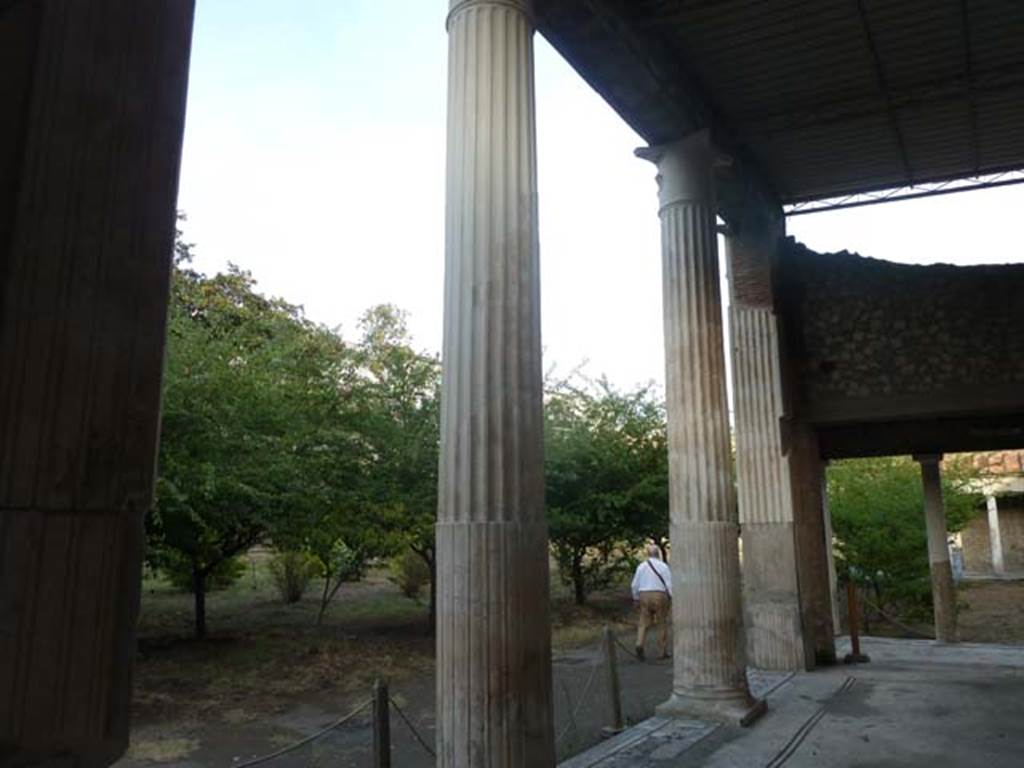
<point>780,482</point>
<point>494,644</point>
<point>775,637</point>
<point>943,592</point>
<point>709,675</point>
<point>92,114</point>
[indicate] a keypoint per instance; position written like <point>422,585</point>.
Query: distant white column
<point>995,536</point>
<point>833,587</point>
<point>709,677</point>
<point>943,592</point>
<point>494,704</point>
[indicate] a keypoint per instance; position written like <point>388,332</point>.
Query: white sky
<point>314,157</point>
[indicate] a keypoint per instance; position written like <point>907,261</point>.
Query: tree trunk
<point>579,588</point>
<point>324,599</point>
<point>199,591</point>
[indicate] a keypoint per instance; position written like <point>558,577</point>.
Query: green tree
<point>606,480</point>
<point>251,392</point>
<point>402,424</point>
<point>877,508</point>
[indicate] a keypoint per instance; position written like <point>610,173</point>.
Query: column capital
<point>456,7</point>
<point>927,458</point>
<point>685,169</point>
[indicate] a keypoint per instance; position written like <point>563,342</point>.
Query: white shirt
<point>646,581</point>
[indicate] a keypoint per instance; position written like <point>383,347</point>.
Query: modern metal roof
<point>816,98</point>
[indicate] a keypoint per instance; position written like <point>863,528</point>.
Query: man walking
<point>652,589</point>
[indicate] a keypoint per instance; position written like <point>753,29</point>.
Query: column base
<point>944,601</point>
<point>739,709</point>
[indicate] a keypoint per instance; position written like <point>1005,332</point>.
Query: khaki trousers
<point>654,607</point>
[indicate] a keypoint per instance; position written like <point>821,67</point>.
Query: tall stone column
<point>93,102</point>
<point>995,536</point>
<point>782,513</point>
<point>709,675</point>
<point>493,644</point>
<point>943,593</point>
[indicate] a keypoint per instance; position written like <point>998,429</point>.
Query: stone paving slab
<point>917,703</point>
<point>657,740</point>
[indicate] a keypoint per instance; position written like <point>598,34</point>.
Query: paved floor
<point>915,704</point>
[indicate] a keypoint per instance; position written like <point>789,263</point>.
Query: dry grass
<point>262,656</point>
<point>161,748</point>
<point>574,626</point>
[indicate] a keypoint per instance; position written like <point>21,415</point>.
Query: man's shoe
<point>640,652</point>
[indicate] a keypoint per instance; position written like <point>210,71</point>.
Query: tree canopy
<point>254,435</point>
<point>606,480</point>
<point>877,508</point>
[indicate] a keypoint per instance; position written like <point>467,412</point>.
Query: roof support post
<point>709,674</point>
<point>88,183</point>
<point>787,602</point>
<point>943,592</point>
<point>494,700</point>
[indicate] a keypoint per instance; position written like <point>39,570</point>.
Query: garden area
<point>290,552</point>
<point>267,672</point>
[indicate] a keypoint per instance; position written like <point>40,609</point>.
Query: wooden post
<point>855,656</point>
<point>381,725</point>
<point>614,694</point>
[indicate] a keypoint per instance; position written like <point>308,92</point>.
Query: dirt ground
<point>988,612</point>
<point>268,676</point>
<point>992,612</point>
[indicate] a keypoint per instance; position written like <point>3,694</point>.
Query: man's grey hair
<point>653,551</point>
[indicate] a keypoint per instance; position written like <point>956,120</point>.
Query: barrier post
<point>614,693</point>
<point>855,656</point>
<point>381,725</point>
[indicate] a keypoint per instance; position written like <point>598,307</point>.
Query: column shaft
<point>995,536</point>
<point>494,657</point>
<point>943,592</point>
<point>88,185</point>
<point>770,584</point>
<point>709,677</point>
<point>779,480</point>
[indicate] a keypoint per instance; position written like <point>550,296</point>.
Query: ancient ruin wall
<point>865,329</point>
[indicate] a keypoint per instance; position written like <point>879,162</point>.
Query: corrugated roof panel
<point>823,97</point>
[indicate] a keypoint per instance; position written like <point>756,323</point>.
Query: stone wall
<point>977,547</point>
<point>999,462</point>
<point>976,543</point>
<point>1011,527</point>
<point>861,329</point>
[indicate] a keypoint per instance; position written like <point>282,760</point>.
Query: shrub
<point>292,572</point>
<point>877,508</point>
<point>344,563</point>
<point>410,572</point>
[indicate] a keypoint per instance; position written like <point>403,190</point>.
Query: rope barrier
<point>303,742</point>
<point>583,697</point>
<point>896,622</point>
<point>412,728</point>
<point>629,651</point>
<point>573,711</point>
